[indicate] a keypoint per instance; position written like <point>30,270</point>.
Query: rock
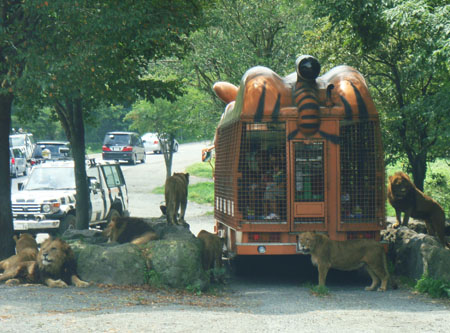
<point>173,261</point>
<point>415,254</point>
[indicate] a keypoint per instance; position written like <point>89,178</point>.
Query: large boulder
<point>173,261</point>
<point>415,254</point>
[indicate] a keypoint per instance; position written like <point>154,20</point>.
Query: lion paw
<point>12,282</point>
<point>381,289</point>
<point>395,225</point>
<point>56,284</point>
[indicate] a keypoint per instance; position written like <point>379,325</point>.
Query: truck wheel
<point>132,161</point>
<point>69,222</point>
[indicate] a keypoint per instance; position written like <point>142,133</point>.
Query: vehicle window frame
<point>116,174</point>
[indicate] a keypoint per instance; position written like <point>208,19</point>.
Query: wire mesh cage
<point>262,164</point>
<point>362,180</point>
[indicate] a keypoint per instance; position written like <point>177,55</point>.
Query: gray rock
<point>172,261</point>
<point>415,254</point>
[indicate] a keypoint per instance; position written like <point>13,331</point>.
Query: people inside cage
<point>275,189</point>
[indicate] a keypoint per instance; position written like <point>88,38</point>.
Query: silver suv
<point>46,202</point>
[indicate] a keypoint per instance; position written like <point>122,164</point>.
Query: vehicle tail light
<point>128,148</point>
<point>105,148</point>
<point>155,142</point>
<point>13,161</point>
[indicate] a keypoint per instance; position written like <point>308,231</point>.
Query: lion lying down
<point>55,266</point>
<point>26,250</point>
<point>347,255</point>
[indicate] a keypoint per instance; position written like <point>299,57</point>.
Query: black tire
<point>175,148</point>
<point>69,222</point>
<point>143,158</point>
<point>14,174</point>
<point>132,161</point>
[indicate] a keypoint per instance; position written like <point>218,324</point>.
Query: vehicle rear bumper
<point>22,225</point>
<point>117,155</point>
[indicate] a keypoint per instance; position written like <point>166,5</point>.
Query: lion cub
<point>347,256</point>
<point>26,250</point>
<point>176,193</point>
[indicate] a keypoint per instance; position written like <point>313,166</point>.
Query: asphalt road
<point>268,294</point>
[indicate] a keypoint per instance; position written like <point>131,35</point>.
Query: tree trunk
<point>6,225</point>
<point>71,116</point>
<point>419,170</point>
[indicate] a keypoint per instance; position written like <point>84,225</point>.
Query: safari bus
<point>297,153</point>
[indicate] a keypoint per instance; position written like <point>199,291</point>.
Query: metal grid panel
<point>262,164</point>
<point>361,173</point>
<point>309,171</point>
<point>223,182</point>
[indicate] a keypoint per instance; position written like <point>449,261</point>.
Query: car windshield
<point>55,178</point>
<point>15,141</point>
<point>117,139</point>
<point>54,148</point>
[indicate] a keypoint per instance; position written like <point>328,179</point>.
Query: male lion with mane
<point>347,256</point>
<point>129,230</point>
<point>176,193</point>
<point>405,197</point>
<point>55,267</point>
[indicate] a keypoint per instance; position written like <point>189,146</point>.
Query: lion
<point>405,197</point>
<point>211,250</point>
<point>346,255</point>
<point>26,250</point>
<point>176,193</point>
<point>55,266</point>
<point>129,230</point>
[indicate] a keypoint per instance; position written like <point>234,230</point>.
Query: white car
<point>152,144</point>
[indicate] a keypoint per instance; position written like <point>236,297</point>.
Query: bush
<point>435,288</point>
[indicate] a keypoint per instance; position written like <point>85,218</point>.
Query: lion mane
<point>176,193</point>
<point>405,197</point>
<point>129,230</point>
<point>54,266</point>
<point>347,256</point>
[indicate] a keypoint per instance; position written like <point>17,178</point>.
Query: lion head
<point>309,241</point>
<point>25,241</point>
<point>400,185</point>
<point>54,256</point>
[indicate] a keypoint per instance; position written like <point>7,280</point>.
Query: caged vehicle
<point>47,201</point>
<point>125,146</point>
<point>17,162</point>
<point>294,154</point>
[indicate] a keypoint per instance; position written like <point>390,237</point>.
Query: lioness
<point>405,197</point>
<point>211,251</point>
<point>176,193</point>
<point>129,229</point>
<point>55,266</point>
<point>346,255</point>
<point>26,250</point>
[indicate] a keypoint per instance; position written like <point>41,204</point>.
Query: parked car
<point>47,201</point>
<point>152,143</point>
<point>56,149</point>
<point>125,146</point>
<point>23,141</point>
<point>17,162</point>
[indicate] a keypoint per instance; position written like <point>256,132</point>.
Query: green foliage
<point>154,279</point>
<point>317,290</point>
<point>200,169</point>
<point>435,288</point>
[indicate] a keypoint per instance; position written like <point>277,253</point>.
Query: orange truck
<point>294,154</point>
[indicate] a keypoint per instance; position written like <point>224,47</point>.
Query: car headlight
<point>50,207</point>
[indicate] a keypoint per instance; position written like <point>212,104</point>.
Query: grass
<point>200,169</point>
<point>202,193</point>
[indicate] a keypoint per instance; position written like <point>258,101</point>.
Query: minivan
<point>125,146</point>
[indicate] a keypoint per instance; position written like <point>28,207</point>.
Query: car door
<point>20,160</point>
<point>97,195</point>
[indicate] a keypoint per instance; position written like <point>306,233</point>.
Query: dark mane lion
<point>405,197</point>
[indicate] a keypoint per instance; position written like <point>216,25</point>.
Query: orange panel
<point>270,249</point>
<point>309,209</point>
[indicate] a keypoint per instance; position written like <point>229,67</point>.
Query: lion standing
<point>347,256</point>
<point>211,250</point>
<point>176,193</point>
<point>405,197</point>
